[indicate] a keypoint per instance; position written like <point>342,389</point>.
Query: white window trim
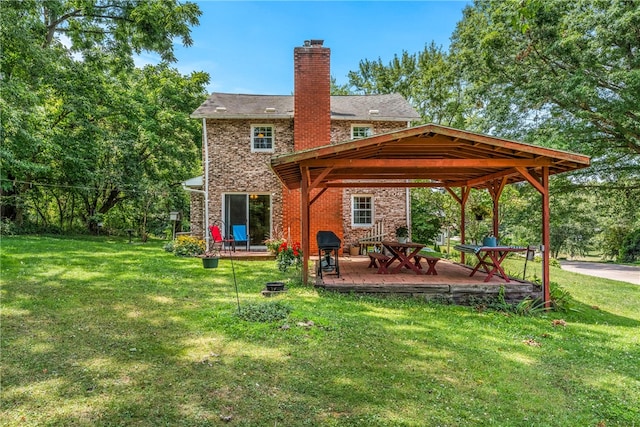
<point>373,213</point>
<point>361,125</point>
<point>273,139</point>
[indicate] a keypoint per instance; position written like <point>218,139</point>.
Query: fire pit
<point>275,286</point>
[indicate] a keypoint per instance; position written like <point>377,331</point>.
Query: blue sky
<point>247,46</point>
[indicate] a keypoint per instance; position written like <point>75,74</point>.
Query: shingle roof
<point>345,107</point>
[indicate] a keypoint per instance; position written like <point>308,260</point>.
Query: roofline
<point>225,116</point>
<point>417,130</point>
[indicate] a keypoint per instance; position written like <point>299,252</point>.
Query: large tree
<point>78,119</point>
<point>561,73</point>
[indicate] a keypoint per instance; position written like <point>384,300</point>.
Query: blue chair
<point>240,234</point>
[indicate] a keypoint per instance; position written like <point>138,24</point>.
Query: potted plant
<point>354,250</point>
<point>402,233</point>
<point>210,259</point>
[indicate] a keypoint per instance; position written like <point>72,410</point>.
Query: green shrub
<point>7,227</point>
<point>170,246</point>
<point>561,300</point>
<point>630,250</point>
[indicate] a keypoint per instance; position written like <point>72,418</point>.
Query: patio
<point>452,283</point>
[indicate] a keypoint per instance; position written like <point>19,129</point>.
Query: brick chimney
<point>312,95</point>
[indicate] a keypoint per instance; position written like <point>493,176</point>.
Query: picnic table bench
<point>376,258</point>
<point>431,263</point>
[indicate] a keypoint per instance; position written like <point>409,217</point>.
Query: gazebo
<point>427,156</point>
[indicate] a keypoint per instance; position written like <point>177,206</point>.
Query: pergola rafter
<point>426,156</point>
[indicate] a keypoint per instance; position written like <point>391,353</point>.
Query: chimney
<point>312,95</point>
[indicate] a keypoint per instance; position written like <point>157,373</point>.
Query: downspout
<point>205,144</point>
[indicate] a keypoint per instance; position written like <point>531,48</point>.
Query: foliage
<point>145,338</point>
<point>84,131</point>
<point>563,70</point>
<point>630,250</point>
<point>402,231</point>
<point>187,246</point>
<point>561,299</point>
<point>264,312</point>
<point>273,245</point>
<point>289,255</point>
<point>431,211</point>
<point>428,79</point>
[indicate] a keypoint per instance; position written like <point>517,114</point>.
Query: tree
<point>560,73</point>
<point>428,79</point>
<point>78,119</point>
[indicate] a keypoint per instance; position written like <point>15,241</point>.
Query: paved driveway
<point>624,273</point>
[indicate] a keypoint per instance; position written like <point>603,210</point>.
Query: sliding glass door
<point>251,210</point>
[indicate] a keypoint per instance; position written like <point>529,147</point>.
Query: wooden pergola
<point>426,156</point>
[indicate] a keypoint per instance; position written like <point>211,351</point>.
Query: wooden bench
<point>431,263</point>
<point>378,258</point>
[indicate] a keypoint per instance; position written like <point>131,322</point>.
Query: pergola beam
<point>425,163</point>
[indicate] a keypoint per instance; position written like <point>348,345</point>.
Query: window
<point>262,138</point>
<point>361,131</point>
<point>361,210</point>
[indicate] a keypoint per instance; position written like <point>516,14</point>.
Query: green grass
<point>100,332</point>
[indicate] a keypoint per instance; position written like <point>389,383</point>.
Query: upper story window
<point>361,131</point>
<point>362,210</point>
<point>262,138</point>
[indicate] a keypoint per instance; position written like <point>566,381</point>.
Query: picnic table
<point>405,253</point>
<point>490,258</point>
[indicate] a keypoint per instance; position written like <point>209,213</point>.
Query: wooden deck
<point>452,283</point>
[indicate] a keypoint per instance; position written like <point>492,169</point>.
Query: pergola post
<point>542,185</point>
<point>546,237</point>
<point>304,210</point>
<point>462,200</point>
<point>495,190</point>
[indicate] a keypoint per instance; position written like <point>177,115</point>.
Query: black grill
<point>328,243</point>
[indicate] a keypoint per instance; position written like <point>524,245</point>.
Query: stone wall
<point>197,214</point>
<point>234,168</point>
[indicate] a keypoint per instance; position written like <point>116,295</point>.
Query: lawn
<point>97,332</point>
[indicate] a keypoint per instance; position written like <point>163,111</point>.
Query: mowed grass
<point>99,332</point>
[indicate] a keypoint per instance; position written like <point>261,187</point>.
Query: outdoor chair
<point>240,234</point>
<point>218,240</point>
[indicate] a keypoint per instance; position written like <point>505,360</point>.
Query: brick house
<point>241,133</point>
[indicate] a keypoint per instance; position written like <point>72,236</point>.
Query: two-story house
<point>241,133</point>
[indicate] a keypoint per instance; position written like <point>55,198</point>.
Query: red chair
<point>216,235</point>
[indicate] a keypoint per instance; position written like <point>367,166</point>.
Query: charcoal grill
<point>328,246</point>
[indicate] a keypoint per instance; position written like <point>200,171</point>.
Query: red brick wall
<point>312,128</point>
<point>312,96</point>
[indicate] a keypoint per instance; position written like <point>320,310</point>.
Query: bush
<point>187,246</point>
<point>561,300</point>
<point>630,250</point>
<point>7,227</point>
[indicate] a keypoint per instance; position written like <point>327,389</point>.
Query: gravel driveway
<point>624,273</point>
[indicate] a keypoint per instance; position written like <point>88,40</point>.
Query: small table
<point>490,256</point>
<point>400,252</point>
